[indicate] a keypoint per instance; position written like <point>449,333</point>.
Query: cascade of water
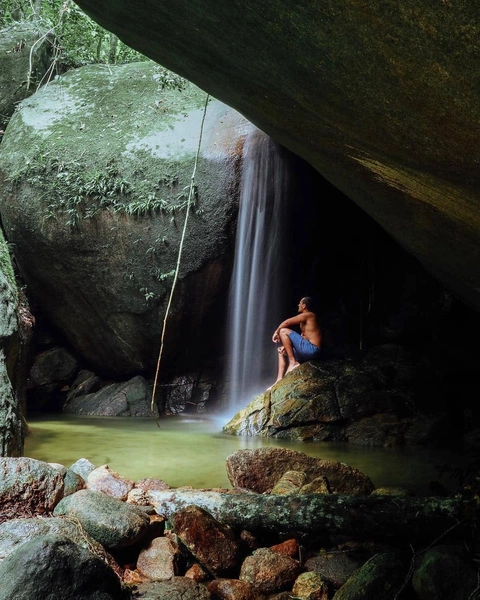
<point>261,268</point>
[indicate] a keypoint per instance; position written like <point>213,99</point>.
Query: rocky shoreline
<point>290,527</point>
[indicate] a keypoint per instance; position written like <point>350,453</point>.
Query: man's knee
<point>284,331</point>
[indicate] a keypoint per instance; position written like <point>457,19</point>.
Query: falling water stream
<point>260,271</point>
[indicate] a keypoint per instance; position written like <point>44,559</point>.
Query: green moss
<point>6,263</point>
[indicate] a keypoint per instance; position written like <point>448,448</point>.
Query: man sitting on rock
<point>298,348</point>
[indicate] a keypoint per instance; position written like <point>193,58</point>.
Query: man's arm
<point>288,323</point>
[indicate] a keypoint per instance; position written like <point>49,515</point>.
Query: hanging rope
<point>179,258</point>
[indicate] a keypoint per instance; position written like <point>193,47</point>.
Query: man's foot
<point>291,367</point>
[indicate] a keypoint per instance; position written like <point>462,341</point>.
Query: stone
<point>177,588</point>
<point>127,239</point>
<point>381,576</point>
<point>444,572</point>
<point>108,482</point>
<point>287,548</point>
<point>213,544</point>
<point>113,523</point>
<point>233,589</point>
<point>269,571</point>
<point>55,365</point>
<point>333,567</point>
<point>342,82</point>
<point>260,469</point>
<point>28,487</point>
<point>150,483</point>
<point>73,482</point>
<point>318,486</point>
<point>86,382</point>
<point>310,586</point>
<point>53,562</point>
<point>25,49</point>
<point>83,467</point>
<point>159,561</point>
<point>15,532</point>
<point>127,399</point>
<point>197,573</point>
<point>290,482</point>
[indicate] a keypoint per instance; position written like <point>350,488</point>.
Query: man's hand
<point>275,337</point>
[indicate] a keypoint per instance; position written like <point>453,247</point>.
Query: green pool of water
<point>192,451</point>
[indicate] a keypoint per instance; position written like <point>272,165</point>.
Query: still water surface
<point>192,451</point>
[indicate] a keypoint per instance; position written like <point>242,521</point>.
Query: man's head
<point>305,303</point>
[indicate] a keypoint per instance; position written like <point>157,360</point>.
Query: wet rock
<point>55,365</point>
<point>318,486</point>
<point>445,573</point>
<point>126,399</point>
<point>269,571</point>
<point>233,589</point>
<point>392,491</point>
<point>24,48</point>
<point>381,576</point>
<point>54,562</point>
<point>73,482</point>
<point>138,497</point>
<point>124,235</point>
<point>83,467</point>
<point>213,544</point>
<point>86,382</point>
<point>113,523</point>
<point>108,482</point>
<point>15,532</point>
<point>28,487</point>
<point>289,483</point>
<point>379,430</point>
<point>260,469</point>
<point>197,573</point>
<point>310,586</point>
<point>177,588</point>
<point>150,483</point>
<point>159,561</point>
<point>287,548</point>
<point>335,567</point>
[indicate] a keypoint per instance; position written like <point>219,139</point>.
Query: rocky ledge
<point>290,526</point>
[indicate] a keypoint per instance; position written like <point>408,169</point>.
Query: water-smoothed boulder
<point>261,469</point>
<point>176,588</point>
<point>16,532</point>
<point>381,97</point>
<point>378,399</point>
<point>269,571</point>
<point>28,487</point>
<point>25,56</point>
<point>53,564</point>
<point>126,399</point>
<point>94,184</point>
<point>111,522</point>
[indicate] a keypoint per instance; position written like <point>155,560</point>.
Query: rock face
<point>54,562</point>
<point>380,399</point>
<point>382,100</point>
<point>104,225</point>
<point>23,46</point>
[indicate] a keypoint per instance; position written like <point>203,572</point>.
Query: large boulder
<point>378,399</point>
<point>25,56</point>
<point>94,182</point>
<point>54,566</point>
<point>381,99</point>
<point>28,487</point>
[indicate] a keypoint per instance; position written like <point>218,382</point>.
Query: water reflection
<point>185,450</point>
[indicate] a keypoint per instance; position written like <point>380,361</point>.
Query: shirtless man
<point>296,348</point>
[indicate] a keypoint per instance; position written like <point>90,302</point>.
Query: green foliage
<point>79,40</point>
<point>76,192</point>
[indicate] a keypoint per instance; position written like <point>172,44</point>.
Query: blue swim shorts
<point>303,349</point>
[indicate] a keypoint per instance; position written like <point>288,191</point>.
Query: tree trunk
<point>372,517</point>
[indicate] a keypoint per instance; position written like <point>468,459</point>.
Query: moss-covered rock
<point>381,97</point>
<point>25,52</point>
<point>94,184</point>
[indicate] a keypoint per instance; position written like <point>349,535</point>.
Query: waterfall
<point>260,280</point>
